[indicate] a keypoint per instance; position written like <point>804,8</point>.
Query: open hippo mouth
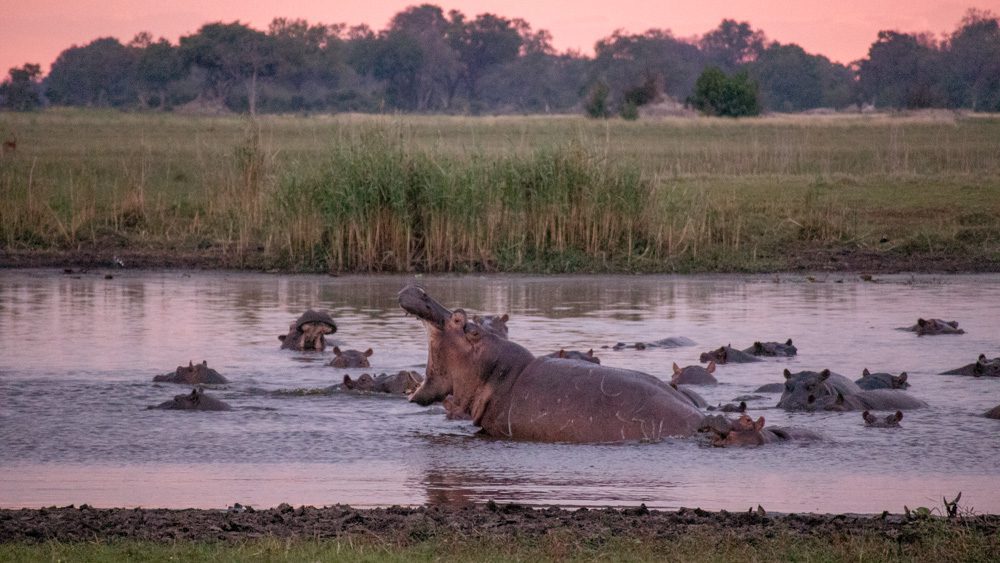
<point>415,301</point>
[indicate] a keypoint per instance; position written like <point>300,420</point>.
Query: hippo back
<point>888,399</point>
<point>555,400</point>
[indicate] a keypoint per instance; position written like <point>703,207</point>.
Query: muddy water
<point>78,354</point>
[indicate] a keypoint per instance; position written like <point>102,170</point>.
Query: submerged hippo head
<point>308,331</point>
<point>871,380</point>
<point>196,400</point>
<point>773,349</point>
<point>193,374</point>
<point>810,390</point>
<point>350,358</point>
<point>743,431</point>
<point>587,356</point>
<point>364,382</point>
<point>930,327</point>
<point>694,375</point>
<point>497,324</point>
<point>891,421</point>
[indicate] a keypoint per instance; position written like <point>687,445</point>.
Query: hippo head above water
<point>308,331</point>
<point>891,421</point>
<point>587,356</point>
<point>497,324</point>
<point>930,327</point>
<point>196,400</point>
<point>694,375</point>
<point>509,393</point>
<point>810,390</point>
<point>350,358</point>
<point>193,374</point>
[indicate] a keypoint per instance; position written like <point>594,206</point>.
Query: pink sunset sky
<point>38,30</point>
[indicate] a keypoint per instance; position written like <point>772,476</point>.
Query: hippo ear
<point>743,408</point>
<point>902,377</point>
<point>921,322</point>
<point>982,358</point>
<point>865,373</point>
<point>562,353</point>
<point>459,317</point>
<point>504,318</point>
<point>867,416</point>
<point>347,380</point>
<point>368,352</point>
<point>282,337</point>
<point>788,374</point>
<point>677,369</point>
<point>824,375</point>
<point>190,364</point>
<point>590,353</point>
<point>336,351</point>
<point>789,342</point>
<point>710,368</point>
<point>674,385</point>
<point>759,424</point>
<point>899,416</point>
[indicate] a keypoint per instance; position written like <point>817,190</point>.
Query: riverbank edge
<point>517,531</point>
<point>833,260</point>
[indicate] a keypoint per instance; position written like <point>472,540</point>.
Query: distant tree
<point>789,78</point>
<point>731,96</point>
<point>483,44</point>
<point>972,56</point>
<point>597,104</point>
<point>20,92</point>
<point>437,79</point>
<point>230,55</point>
<point>624,60</point>
<point>732,44</point>
<point>903,71</point>
<point>397,61</point>
<point>158,65</point>
<point>101,73</point>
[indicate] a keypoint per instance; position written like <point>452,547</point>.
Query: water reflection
<point>78,356</point>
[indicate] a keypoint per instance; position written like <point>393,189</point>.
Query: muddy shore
<point>406,525</point>
<point>807,259</point>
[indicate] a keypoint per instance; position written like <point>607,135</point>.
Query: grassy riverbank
<point>487,533</point>
<point>537,194</point>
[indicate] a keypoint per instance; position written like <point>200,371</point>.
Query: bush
<point>718,94</point>
<point>597,105</point>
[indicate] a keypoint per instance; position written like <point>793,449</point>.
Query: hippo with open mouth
<point>825,390</point>
<point>931,327</point>
<point>196,400</point>
<point>308,331</point>
<point>193,374</point>
<point>509,393</point>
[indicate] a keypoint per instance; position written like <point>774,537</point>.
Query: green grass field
<point>542,194</point>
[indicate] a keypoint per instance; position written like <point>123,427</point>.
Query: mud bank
<point>406,526</point>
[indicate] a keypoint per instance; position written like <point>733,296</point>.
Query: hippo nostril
<point>812,399</point>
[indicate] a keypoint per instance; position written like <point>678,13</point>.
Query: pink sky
<point>38,30</point>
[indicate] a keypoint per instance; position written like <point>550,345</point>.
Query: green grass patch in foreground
<point>937,542</point>
<point>525,194</point>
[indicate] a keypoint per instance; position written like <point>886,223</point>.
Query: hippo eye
<point>789,386</point>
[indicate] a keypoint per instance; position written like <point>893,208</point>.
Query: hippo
<point>193,375</point>
<point>730,407</point>
<point>983,367</point>
<point>495,323</point>
<point>871,380</point>
<point>511,394</point>
<point>931,327</point>
<point>587,356</point>
<point>770,388</point>
<point>993,413</point>
<point>696,399</point>
<point>786,349</point>
<point>307,332</point>
<point>694,375</point>
<point>402,383</point>
<point>669,342</point>
<point>746,432</point>
<point>350,358</point>
<point>891,421</point>
<point>728,355</point>
<point>197,400</point>
<point>811,391</point>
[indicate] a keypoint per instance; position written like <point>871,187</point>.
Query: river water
<point>78,354</point>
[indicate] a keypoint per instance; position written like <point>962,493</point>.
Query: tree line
<point>427,60</point>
